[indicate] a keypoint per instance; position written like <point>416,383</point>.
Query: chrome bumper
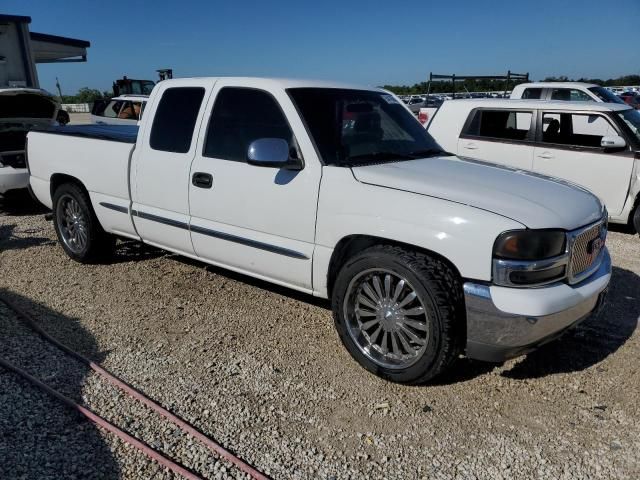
<point>495,334</point>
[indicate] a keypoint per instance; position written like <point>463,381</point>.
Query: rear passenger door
<point>499,136</point>
<point>569,148</point>
<point>160,173</point>
<point>248,218</point>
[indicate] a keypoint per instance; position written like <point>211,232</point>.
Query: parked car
<point>564,91</point>
<point>632,99</point>
<point>336,191</point>
<point>122,110</point>
<point>428,102</point>
<point>21,109</point>
<point>593,144</point>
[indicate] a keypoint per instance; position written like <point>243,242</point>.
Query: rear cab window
<point>532,93</point>
<point>499,125</point>
<point>175,119</point>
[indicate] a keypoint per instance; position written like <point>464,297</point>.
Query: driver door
<point>248,218</point>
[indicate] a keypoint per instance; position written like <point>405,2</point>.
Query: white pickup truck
<point>337,191</point>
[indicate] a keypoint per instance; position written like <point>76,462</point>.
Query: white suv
<point>564,91</point>
<point>595,145</point>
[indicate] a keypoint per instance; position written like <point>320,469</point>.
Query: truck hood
<point>534,200</point>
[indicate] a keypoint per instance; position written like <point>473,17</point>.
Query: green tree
<point>88,95</point>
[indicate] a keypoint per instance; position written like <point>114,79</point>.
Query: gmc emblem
<point>594,246</point>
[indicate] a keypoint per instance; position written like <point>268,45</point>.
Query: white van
<point>596,145</point>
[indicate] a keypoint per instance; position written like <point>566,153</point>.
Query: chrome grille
<point>586,249</point>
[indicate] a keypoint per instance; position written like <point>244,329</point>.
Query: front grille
<point>586,249</point>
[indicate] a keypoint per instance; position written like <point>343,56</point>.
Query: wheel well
<point>58,179</point>
<point>349,246</point>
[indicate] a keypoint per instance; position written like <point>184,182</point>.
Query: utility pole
<point>59,90</point>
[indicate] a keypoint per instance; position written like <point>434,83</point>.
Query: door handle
<point>470,146</point>
<point>545,155</point>
<point>202,180</point>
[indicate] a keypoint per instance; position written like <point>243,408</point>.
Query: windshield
<point>354,127</point>
<point>632,119</point>
<point>605,95</point>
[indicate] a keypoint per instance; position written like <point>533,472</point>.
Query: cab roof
<point>536,104</point>
<point>280,82</point>
<point>556,85</point>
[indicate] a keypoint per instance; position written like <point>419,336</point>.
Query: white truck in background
<point>595,145</point>
<point>120,110</point>
<point>336,191</point>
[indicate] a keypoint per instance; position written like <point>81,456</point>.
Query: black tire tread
<point>101,244</point>
<point>445,287</point>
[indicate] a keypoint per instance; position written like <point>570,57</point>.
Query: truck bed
<point>115,133</point>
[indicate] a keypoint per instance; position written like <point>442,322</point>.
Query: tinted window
<point>500,124</point>
<point>240,116</point>
<point>532,93</point>
<point>573,129</point>
<point>605,95</point>
<point>175,119</point>
<point>570,95</point>
<point>352,127</point>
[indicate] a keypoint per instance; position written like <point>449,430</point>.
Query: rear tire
<point>406,326</point>
<point>77,227</point>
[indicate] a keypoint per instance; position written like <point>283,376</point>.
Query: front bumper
<point>13,178</point>
<point>506,322</point>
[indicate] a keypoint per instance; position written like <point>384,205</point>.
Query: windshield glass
<point>354,127</point>
<point>605,95</point>
<point>632,120</point>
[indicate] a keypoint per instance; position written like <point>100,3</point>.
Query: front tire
<point>77,227</point>
<point>635,220</point>
<point>399,313</point>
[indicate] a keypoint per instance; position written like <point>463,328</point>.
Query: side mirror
<point>613,142</point>
<point>273,153</point>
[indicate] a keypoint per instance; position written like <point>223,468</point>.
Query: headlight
<point>530,244</point>
<point>525,258</point>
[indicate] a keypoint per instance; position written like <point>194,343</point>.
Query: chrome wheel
<point>72,224</point>
<point>386,318</point>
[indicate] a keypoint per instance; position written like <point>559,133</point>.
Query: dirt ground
<point>261,370</point>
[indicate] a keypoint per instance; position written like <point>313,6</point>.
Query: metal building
<point>21,50</point>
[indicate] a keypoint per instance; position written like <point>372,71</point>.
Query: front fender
<point>462,234</point>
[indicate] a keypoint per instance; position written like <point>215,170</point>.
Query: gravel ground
<point>261,370</point>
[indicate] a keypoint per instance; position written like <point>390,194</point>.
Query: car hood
<point>26,106</point>
<point>534,200</point>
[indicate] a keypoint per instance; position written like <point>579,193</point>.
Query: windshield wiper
<point>429,152</point>
<point>375,156</point>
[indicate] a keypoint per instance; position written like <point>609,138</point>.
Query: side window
<point>575,129</point>
<point>175,119</point>
<point>500,124</point>
<point>240,116</point>
<point>127,112</point>
<point>532,93</point>
<point>113,109</point>
<point>570,94</point>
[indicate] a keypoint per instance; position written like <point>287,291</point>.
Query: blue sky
<point>367,42</point>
